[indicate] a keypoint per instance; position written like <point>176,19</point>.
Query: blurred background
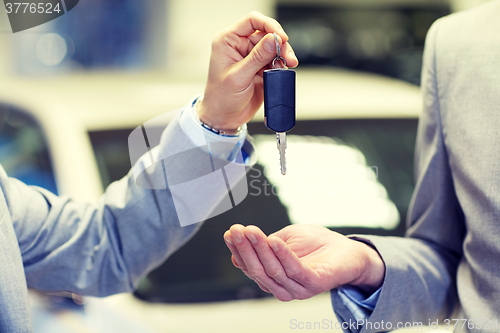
<point>72,90</point>
<point>381,36</point>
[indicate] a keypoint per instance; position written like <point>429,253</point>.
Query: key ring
<point>278,53</point>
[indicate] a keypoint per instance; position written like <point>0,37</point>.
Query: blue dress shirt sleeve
<point>104,248</point>
<point>202,137</point>
<point>356,302</point>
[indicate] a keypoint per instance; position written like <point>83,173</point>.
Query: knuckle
<point>221,38</point>
<point>274,273</point>
<point>255,272</point>
<point>257,56</point>
<point>294,274</point>
<point>229,39</point>
<point>254,14</point>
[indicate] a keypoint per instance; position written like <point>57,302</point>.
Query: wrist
<point>213,123</point>
<point>373,274</point>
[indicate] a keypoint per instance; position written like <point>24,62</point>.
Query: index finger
<point>256,21</point>
<point>234,251</point>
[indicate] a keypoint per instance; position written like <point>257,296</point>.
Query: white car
<point>69,134</point>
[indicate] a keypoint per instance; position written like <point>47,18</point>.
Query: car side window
<point>24,152</point>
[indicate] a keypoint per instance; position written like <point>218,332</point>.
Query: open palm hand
<point>301,261</point>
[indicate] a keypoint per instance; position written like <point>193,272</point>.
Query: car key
<point>279,102</point>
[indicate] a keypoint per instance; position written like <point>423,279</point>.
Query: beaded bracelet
<point>210,128</point>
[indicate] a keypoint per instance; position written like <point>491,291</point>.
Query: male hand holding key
<point>240,54</point>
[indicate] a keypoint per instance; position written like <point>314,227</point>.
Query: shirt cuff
<point>202,137</point>
<point>356,302</point>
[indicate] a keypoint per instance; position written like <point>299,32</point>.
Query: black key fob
<point>279,99</point>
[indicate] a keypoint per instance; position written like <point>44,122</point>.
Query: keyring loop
<point>278,49</point>
<point>282,60</point>
<point>278,53</point>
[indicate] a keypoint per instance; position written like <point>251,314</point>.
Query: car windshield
<point>321,152</point>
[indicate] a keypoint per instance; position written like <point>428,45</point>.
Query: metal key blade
<point>281,142</point>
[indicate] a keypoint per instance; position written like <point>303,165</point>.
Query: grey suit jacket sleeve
<point>420,280</point>
<point>105,248</point>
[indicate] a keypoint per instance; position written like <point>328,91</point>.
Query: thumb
<point>260,56</point>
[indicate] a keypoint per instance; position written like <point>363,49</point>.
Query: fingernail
<point>292,54</point>
<point>270,44</point>
<point>228,239</point>
<point>252,238</point>
<point>237,238</point>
